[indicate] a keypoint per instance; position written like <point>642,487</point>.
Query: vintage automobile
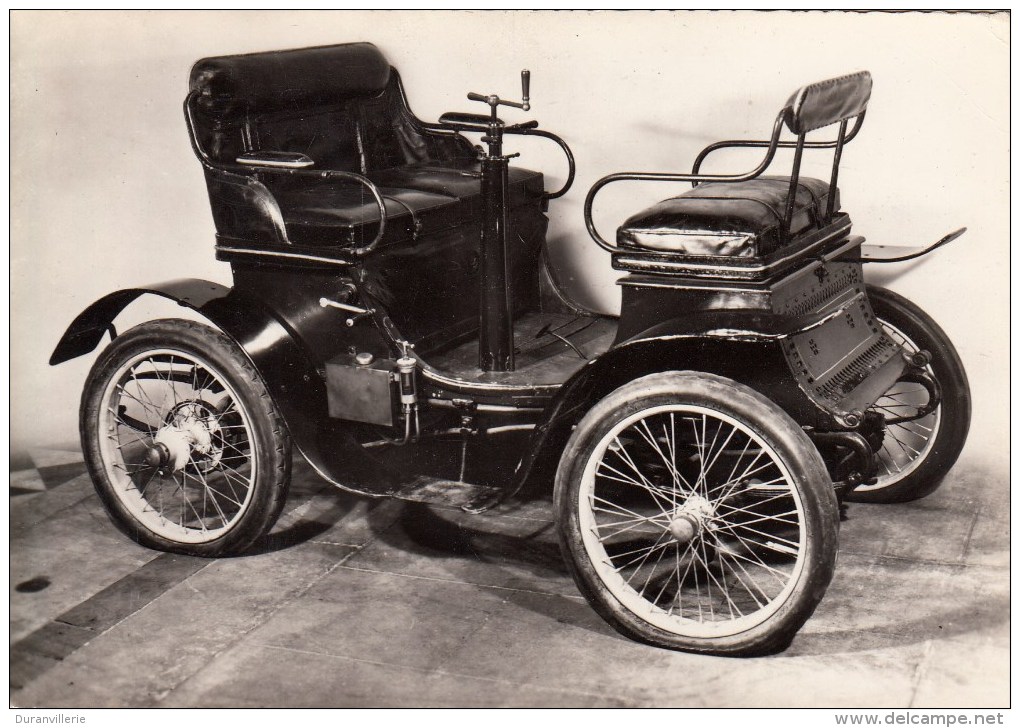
<point>394,317</point>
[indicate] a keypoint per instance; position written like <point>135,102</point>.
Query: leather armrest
<point>284,160</point>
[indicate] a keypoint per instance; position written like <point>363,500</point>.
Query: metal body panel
<point>836,352</point>
<point>88,327</point>
<point>361,392</point>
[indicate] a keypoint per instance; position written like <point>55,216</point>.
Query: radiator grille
<point>846,379</point>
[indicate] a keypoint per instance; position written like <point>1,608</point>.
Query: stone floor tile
<point>353,601</point>
<point>493,550</point>
<point>396,619</point>
<point>883,602</point>
<point>145,656</point>
<point>81,527</point>
<point>990,539</point>
<point>49,457</point>
<point>27,480</point>
<point>561,642</point>
<point>875,678</point>
<point>955,675</point>
<point>69,577</point>
<point>315,680</point>
<point>905,530</point>
<point>28,512</point>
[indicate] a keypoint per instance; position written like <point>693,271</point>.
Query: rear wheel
<point>183,441</point>
<point>916,455</point>
<point>695,514</point>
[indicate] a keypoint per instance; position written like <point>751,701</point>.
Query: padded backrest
<point>306,100</point>
<point>827,102</point>
<point>256,83</point>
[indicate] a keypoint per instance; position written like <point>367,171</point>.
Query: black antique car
<point>394,317</point>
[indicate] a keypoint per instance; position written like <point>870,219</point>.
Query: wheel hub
<point>188,431</point>
<point>689,519</point>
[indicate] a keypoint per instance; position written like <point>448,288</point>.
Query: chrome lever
<point>358,311</point>
<point>325,302</point>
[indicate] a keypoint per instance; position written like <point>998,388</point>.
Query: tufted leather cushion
<point>461,179</point>
<point>333,213</point>
<point>740,219</point>
<point>261,82</point>
<point>433,196</point>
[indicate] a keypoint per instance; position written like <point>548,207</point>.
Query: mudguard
<point>289,373</point>
<point>745,346</point>
<point>701,351</point>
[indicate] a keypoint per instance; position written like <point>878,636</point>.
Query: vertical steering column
<point>496,341</point>
<point>496,338</point>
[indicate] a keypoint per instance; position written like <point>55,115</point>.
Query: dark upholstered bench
<point>741,220</point>
<point>747,226</point>
<point>274,128</point>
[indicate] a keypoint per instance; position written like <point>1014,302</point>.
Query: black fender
<point>752,358</point>
<point>743,345</point>
<point>297,388</point>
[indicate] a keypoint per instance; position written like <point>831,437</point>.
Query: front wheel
<point>916,454</point>
<point>183,441</point>
<point>695,514</point>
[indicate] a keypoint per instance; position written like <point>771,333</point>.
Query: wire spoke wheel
<point>178,445</point>
<point>690,522</point>
<point>182,440</point>
<point>917,454</point>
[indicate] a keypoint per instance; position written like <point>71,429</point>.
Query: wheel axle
<point>684,528</point>
<point>157,456</point>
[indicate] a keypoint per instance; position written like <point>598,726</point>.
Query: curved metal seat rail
<point>248,169</point>
<point>454,127</point>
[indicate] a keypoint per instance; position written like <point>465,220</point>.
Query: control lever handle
<point>357,312</point>
<point>493,100</point>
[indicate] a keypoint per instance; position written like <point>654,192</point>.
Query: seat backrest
<point>229,86</point>
<point>823,103</point>
<point>308,100</point>
<point>818,105</point>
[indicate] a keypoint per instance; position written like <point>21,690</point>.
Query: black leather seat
<point>420,199</point>
<point>333,213</point>
<point>458,178</point>
<point>734,219</point>
<point>343,107</point>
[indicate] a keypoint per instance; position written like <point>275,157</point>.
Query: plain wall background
<point>106,193</point>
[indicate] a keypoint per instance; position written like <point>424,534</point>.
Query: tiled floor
<point>352,602</point>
